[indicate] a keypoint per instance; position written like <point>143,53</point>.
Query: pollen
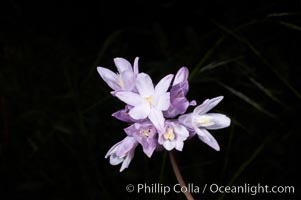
<point>169,135</point>
<point>205,120</point>
<point>149,99</point>
<point>120,82</point>
<point>146,132</point>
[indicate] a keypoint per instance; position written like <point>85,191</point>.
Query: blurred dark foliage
<point>55,111</point>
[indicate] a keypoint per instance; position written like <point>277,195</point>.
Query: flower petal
<point>181,104</point>
<point>181,131</point>
<point>181,75</point>
<point>112,150</point>
<point>186,120</point>
<point>207,138</point>
<point>130,98</point>
<point>128,80</point>
<point>122,65</point>
<point>125,146</point>
<point>168,145</point>
<point>219,120</point>
<point>179,145</point>
<point>136,66</point>
<point>156,117</point>
<point>115,160</point>
<point>123,115</point>
<point>163,85</point>
<point>140,111</point>
<point>109,77</point>
<point>207,105</point>
<point>149,149</point>
<point>192,103</point>
<point>128,159</point>
<point>144,85</point>
<point>162,102</point>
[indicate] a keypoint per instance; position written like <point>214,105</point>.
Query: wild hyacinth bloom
<point>173,136</point>
<point>150,101</point>
<point>122,152</point>
<point>199,121</point>
<point>178,91</point>
<point>124,79</point>
<point>145,133</point>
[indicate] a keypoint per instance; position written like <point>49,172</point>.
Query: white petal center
<point>204,120</point>
<point>149,100</point>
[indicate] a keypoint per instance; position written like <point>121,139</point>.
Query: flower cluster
<point>156,113</point>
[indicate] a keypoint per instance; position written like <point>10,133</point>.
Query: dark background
<point>55,111</point>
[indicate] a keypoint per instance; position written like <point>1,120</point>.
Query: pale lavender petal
<point>192,103</point>
<point>171,112</point>
<point>186,120</point>
<point>149,150</point>
<point>207,138</point>
<point>113,149</point>
<point>131,130</point>
<point>162,102</point>
<point>128,79</point>
<point>128,159</point>
<point>181,104</point>
<point>163,85</point>
<point>125,146</point>
<point>179,90</point>
<point>168,145</point>
<point>115,160</point>
<point>144,85</point>
<point>192,133</point>
<point>130,98</point>
<point>123,115</point>
<point>219,120</point>
<point>207,105</point>
<point>177,106</point>
<point>181,131</point>
<point>136,66</point>
<point>181,75</point>
<point>122,65</point>
<point>109,77</point>
<point>140,111</point>
<point>156,117</point>
<point>179,145</point>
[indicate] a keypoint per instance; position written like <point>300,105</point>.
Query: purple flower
<point>146,134</point>
<point>199,121</point>
<point>147,106</point>
<point>173,136</point>
<point>178,100</point>
<point>124,79</point>
<point>122,152</point>
<point>150,101</point>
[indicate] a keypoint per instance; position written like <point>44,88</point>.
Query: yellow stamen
<point>120,82</point>
<point>169,135</point>
<point>145,132</point>
<point>205,120</point>
<point>149,99</point>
